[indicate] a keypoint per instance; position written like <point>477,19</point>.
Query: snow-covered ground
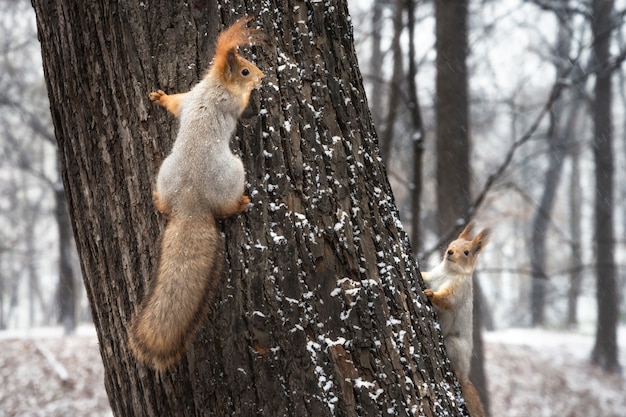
<point>531,373</point>
<point>548,373</point>
<point>43,374</point>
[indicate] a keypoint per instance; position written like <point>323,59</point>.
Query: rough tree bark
<point>321,311</point>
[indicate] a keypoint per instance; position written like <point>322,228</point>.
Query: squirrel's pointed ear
<point>481,240</point>
<point>466,234</point>
<point>231,61</point>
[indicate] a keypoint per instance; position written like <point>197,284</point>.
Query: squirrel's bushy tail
<point>472,399</point>
<point>178,298</point>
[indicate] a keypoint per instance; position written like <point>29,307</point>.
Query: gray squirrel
<point>199,181</point>
<point>451,291</point>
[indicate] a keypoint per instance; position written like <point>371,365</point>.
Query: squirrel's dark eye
<point>245,72</point>
<point>466,252</point>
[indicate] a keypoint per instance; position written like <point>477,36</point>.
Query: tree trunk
<point>605,352</point>
<point>36,302</point>
<point>321,311</point>
<point>66,293</point>
<point>453,145</point>
<point>395,85</point>
<point>575,201</point>
<point>575,126</point>
<point>376,63</point>
<point>478,374</point>
<point>417,135</point>
<point>543,213</point>
<point>557,139</point>
<point>622,186</point>
<point>453,171</point>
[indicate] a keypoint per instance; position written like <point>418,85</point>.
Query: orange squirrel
<point>451,292</point>
<point>200,180</point>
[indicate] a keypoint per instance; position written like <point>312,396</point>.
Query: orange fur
<point>163,208</point>
<point>442,299</point>
<point>472,399</point>
<point>235,208</point>
<point>171,102</point>
<point>227,66</point>
<point>230,39</point>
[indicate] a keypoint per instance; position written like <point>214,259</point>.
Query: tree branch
<point>558,87</point>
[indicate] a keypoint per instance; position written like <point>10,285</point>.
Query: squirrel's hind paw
<point>244,200</point>
<point>160,205</point>
<point>233,208</point>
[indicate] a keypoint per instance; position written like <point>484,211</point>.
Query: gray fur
<point>201,173</point>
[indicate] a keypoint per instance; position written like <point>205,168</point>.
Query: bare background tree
<point>605,351</point>
<point>527,134</point>
<point>556,137</point>
<point>35,216</point>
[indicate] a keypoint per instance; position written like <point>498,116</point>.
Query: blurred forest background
<point>547,149</point>
<point>40,282</point>
<point>542,128</point>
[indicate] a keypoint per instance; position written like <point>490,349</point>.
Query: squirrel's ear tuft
<point>466,234</point>
<point>231,61</point>
<point>481,240</point>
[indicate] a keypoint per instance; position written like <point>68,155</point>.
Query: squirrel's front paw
<point>156,96</point>
<point>429,293</point>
